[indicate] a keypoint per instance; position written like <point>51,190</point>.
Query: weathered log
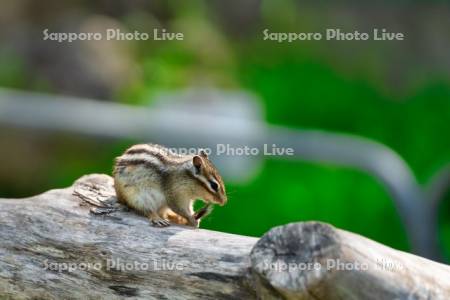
<point>78,243</point>
<point>53,247</point>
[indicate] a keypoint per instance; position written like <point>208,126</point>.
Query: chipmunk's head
<point>213,188</point>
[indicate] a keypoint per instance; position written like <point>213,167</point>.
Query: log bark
<point>79,243</point>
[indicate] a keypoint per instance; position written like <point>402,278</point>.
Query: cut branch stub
<point>314,260</point>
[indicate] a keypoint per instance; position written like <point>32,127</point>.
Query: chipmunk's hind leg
<point>157,221</point>
<point>174,218</point>
<point>186,212</point>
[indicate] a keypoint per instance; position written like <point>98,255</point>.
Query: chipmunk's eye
<point>214,185</point>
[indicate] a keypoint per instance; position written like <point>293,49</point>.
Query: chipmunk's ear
<point>203,154</point>
<point>197,161</point>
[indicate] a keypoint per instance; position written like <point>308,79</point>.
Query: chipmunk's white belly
<point>150,199</point>
<point>141,190</point>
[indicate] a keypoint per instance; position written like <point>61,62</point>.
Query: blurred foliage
<point>368,90</point>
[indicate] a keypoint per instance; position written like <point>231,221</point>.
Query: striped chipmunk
<point>163,186</point>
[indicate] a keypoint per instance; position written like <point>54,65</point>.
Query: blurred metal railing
<point>416,207</point>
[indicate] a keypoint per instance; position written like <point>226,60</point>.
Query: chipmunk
<point>162,185</point>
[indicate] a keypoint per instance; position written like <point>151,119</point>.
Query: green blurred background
<point>394,92</point>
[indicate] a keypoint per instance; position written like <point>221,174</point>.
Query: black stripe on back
<point>139,162</point>
<point>138,151</point>
<point>157,154</point>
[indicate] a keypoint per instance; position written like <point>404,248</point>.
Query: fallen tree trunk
<point>54,247</point>
<point>57,245</point>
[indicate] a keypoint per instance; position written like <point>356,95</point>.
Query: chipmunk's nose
<point>223,200</point>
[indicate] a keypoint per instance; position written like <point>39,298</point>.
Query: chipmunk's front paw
<point>194,223</point>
